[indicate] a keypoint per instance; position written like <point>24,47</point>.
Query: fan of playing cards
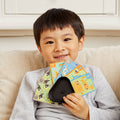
<point>63,78</point>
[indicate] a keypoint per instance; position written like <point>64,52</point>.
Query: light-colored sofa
<point>14,64</point>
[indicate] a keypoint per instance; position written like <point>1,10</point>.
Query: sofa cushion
<point>14,64</point>
<point>108,60</point>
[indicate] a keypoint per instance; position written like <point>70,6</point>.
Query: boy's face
<point>58,45</point>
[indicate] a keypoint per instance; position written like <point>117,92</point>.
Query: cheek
<point>47,52</point>
<point>74,47</point>
<point>47,49</point>
<point>74,51</point>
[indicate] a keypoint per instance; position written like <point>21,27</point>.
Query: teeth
<point>61,57</point>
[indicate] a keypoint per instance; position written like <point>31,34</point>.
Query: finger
<point>69,102</point>
<point>78,96</point>
<point>68,107</point>
<point>73,98</point>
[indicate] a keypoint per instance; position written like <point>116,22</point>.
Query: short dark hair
<point>57,18</point>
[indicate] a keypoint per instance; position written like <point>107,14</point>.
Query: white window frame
<point>91,22</point>
<point>14,9</point>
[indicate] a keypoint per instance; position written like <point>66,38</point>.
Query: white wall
<point>103,28</point>
<point>101,41</point>
<point>28,42</point>
<point>17,43</point>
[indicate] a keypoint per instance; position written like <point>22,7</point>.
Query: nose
<point>59,47</point>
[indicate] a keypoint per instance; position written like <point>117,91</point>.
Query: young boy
<point>59,35</point>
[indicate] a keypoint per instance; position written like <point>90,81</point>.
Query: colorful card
<point>81,80</point>
<point>67,67</point>
<point>76,72</point>
<point>55,69</point>
<point>82,84</point>
<point>43,87</point>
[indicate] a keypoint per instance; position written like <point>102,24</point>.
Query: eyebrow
<point>49,37</point>
<point>68,34</point>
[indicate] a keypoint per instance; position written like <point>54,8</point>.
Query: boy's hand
<point>77,105</point>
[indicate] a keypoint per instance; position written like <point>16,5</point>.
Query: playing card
<point>66,68</point>
<point>80,80</point>
<point>55,69</point>
<point>82,84</point>
<point>43,87</point>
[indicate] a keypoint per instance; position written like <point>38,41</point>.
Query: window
<point>86,7</point>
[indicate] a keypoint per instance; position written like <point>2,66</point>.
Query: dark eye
<point>49,42</point>
<point>67,39</point>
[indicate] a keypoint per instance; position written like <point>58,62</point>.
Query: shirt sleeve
<point>108,106</point>
<point>25,107</point>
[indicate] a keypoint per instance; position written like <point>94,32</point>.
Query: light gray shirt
<point>103,104</point>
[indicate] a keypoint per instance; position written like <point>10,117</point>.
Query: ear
<point>81,42</point>
<point>39,48</point>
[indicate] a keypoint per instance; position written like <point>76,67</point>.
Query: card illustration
<point>43,87</point>
<point>67,67</point>
<point>81,81</point>
<point>83,84</point>
<point>55,69</point>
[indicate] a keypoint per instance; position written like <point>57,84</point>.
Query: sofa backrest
<point>14,64</point>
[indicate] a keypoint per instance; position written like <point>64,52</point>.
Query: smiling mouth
<point>61,57</point>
